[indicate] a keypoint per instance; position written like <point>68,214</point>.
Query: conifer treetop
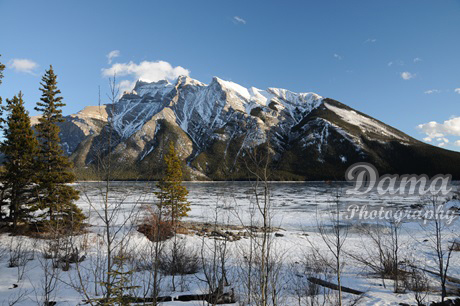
<point>50,102</point>
<point>2,67</point>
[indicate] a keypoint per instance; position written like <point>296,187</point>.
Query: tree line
<point>36,174</point>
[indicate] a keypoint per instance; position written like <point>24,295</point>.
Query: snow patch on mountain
<point>364,123</point>
<point>160,88</point>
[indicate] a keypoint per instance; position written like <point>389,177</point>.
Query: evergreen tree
<point>54,174</point>
<point>2,121</point>
<point>19,149</point>
<point>2,202</point>
<point>120,286</point>
<point>172,195</point>
<point>2,67</point>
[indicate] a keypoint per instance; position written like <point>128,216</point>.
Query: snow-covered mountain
<point>214,125</point>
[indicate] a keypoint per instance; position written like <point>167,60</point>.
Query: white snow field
<point>298,209</point>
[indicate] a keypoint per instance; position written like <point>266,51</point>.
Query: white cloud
<point>396,62</point>
<point>371,40</point>
<point>432,91</point>
<point>427,139</point>
<point>145,71</point>
<point>111,55</point>
<point>457,143</point>
<point>406,75</point>
<point>23,65</point>
<point>439,131</point>
<point>417,59</point>
<point>339,57</point>
<point>442,142</point>
<point>457,90</point>
<point>238,20</point>
<point>443,139</point>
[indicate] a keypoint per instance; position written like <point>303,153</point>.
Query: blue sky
<point>396,60</point>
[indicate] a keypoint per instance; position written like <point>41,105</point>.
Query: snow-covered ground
<point>298,209</point>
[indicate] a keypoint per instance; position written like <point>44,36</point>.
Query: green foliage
<point>120,286</point>
<point>172,195</point>
<point>53,168</point>
<point>2,68</point>
<point>19,149</point>
<point>2,121</point>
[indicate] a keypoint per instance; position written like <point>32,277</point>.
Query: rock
<point>218,233</point>
<point>14,286</point>
<point>448,302</point>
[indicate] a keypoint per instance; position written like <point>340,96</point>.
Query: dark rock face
<point>213,126</point>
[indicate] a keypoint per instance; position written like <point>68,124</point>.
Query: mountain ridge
<point>214,125</point>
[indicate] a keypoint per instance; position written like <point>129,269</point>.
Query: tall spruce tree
<point>2,202</point>
<point>2,108</point>
<point>55,196</point>
<point>2,68</point>
<point>172,194</point>
<point>19,148</point>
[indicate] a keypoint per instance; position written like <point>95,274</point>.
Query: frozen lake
<point>294,204</point>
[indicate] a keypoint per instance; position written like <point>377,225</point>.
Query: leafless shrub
<point>49,283</point>
<point>418,283</point>
<point>305,291</point>
<point>179,259</point>
<point>316,266</point>
<point>215,252</point>
<point>154,227</point>
<point>16,298</point>
<point>381,252</point>
<point>456,245</point>
<point>73,256</point>
<point>19,255</point>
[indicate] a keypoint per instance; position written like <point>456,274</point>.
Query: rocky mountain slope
<point>215,127</point>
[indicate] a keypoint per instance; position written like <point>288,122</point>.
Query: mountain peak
<point>140,83</point>
<point>213,125</point>
<point>184,80</point>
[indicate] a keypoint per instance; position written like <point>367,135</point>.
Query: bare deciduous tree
<point>262,261</point>
<point>334,235</point>
<point>437,229</point>
<point>108,208</point>
<point>214,255</point>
